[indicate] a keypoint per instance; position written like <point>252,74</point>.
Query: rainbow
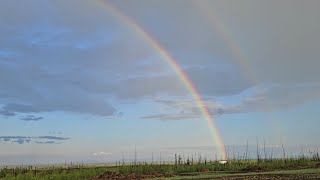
<point>228,38</point>
<point>241,59</point>
<point>177,69</point>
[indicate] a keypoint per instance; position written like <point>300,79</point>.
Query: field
<point>286,168</point>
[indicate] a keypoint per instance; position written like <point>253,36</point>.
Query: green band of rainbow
<point>179,72</point>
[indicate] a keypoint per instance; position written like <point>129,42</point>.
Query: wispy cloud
<point>7,113</point>
<point>268,98</point>
<point>101,153</point>
<point>47,142</point>
<point>33,139</point>
<point>31,118</point>
<point>55,132</point>
<point>169,117</point>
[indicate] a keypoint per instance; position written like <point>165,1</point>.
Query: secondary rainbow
<point>241,59</point>
<point>229,39</point>
<point>173,64</point>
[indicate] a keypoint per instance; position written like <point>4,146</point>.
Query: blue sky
<point>78,84</point>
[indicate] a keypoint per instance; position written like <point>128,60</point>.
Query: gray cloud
<point>267,98</point>
<point>278,47</point>
<point>169,117</point>
<point>53,138</point>
<point>55,132</point>
<point>35,139</point>
<point>208,81</point>
<point>59,58</point>
<point>19,108</point>
<point>150,86</point>
<point>279,96</point>
<point>47,142</point>
<point>7,113</point>
<point>31,118</point>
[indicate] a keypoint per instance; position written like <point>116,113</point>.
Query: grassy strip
<point>176,169</point>
<point>215,175</point>
<point>87,172</point>
<point>234,166</point>
<point>79,174</point>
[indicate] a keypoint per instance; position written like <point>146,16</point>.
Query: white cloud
<point>101,153</point>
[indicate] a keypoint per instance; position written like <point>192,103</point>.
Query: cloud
<point>31,118</point>
<point>53,138</point>
<point>101,153</point>
<point>275,97</point>
<point>169,117</point>
<point>67,81</point>
<point>267,98</point>
<point>19,108</point>
<point>265,47</point>
<point>208,81</point>
<point>86,63</point>
<point>55,132</point>
<point>35,139</point>
<point>7,113</point>
<point>47,142</point>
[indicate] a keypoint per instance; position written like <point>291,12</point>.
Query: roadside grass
<point>180,171</point>
<point>232,166</point>
<point>59,174</point>
<point>204,169</point>
<point>218,175</point>
<point>179,168</point>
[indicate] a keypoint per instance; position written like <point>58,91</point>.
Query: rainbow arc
<point>136,27</point>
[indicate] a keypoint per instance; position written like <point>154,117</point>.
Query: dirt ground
<point>133,176</point>
<point>278,176</point>
<point>155,175</point>
<point>117,176</point>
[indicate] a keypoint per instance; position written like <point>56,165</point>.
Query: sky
<point>80,83</point>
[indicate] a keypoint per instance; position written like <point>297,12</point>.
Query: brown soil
<point>118,176</point>
<point>254,169</point>
<point>276,176</point>
<point>133,176</point>
<point>264,169</point>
